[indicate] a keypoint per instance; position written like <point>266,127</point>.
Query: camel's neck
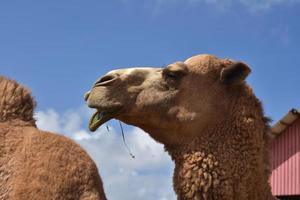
<point>196,174</point>
<point>219,165</point>
<point>11,134</point>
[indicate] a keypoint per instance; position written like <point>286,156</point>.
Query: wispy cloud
<point>124,178</point>
<point>260,5</point>
<point>250,5</point>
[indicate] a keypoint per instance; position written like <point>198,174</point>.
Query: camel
<point>207,117</point>
<point>35,164</point>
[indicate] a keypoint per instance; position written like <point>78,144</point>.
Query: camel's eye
<point>172,75</point>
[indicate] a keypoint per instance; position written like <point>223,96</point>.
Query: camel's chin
<point>100,117</point>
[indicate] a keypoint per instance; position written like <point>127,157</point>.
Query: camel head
<point>173,104</point>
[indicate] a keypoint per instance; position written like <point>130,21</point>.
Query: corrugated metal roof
<point>285,155</point>
<point>285,122</point>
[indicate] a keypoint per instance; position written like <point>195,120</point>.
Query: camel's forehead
<point>200,63</point>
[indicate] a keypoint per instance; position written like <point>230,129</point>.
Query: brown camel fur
<point>39,165</point>
<point>207,117</point>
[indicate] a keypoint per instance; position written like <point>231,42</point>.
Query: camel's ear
<point>235,73</point>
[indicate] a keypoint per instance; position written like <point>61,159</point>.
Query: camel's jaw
<point>107,107</point>
<point>100,117</point>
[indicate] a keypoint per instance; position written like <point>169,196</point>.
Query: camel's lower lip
<point>100,117</point>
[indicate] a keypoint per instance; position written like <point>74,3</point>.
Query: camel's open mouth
<point>100,117</point>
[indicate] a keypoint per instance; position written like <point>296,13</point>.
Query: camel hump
<point>16,102</point>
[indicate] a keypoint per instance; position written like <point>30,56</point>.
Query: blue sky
<point>59,48</point>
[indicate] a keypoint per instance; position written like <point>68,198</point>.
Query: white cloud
<point>148,176</point>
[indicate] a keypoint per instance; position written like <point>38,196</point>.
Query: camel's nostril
<point>86,95</point>
<point>105,80</point>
